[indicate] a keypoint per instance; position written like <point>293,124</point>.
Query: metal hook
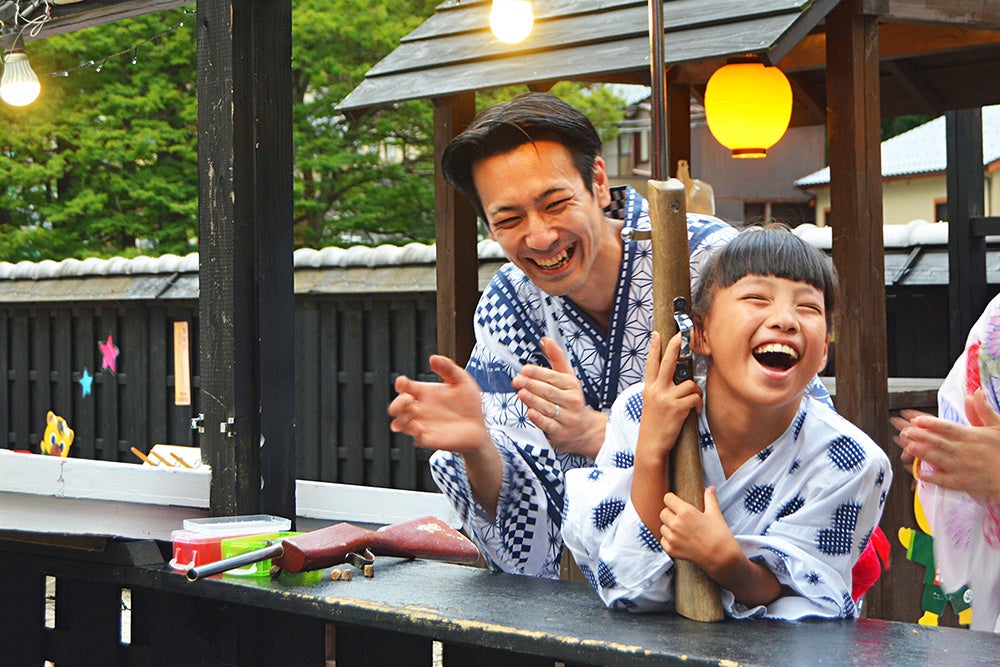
<point>683,371</point>
<point>360,560</point>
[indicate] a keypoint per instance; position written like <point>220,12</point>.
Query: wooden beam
<point>966,201</point>
<point>456,236</point>
<point>77,16</point>
<point>856,205</point>
<point>246,265</point>
<point>678,125</point>
<point>967,13</point>
<point>911,82</point>
<point>895,41</point>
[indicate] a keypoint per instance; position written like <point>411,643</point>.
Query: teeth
<point>554,262</point>
<point>777,347</point>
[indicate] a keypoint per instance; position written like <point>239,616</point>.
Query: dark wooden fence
<point>349,349</point>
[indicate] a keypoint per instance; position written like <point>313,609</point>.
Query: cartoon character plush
<point>58,436</point>
<point>920,549</point>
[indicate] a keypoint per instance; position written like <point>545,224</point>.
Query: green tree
<point>106,157</point>
<point>346,190</point>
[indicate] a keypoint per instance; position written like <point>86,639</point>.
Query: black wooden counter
<point>479,617</point>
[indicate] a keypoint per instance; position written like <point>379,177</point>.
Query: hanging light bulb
<point>748,107</point>
<point>511,20</point>
<point>19,85</point>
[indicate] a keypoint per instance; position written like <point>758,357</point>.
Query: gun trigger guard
<point>360,560</point>
<point>683,369</point>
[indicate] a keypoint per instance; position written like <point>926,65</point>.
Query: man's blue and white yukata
<point>511,318</point>
<point>804,507</point>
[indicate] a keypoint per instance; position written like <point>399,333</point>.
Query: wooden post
<point>456,236</point>
<point>966,249</point>
<point>856,203</point>
<point>696,596</point>
<point>678,125</point>
<point>858,247</point>
<point>246,265</point>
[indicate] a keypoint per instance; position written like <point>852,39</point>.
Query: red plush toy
<point>868,569</point>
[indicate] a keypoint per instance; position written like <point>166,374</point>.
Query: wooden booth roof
<point>89,13</point>
<point>930,51</point>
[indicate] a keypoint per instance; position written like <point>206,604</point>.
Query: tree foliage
<point>106,156</point>
<point>105,162</point>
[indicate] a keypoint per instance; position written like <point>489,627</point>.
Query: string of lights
<point>20,85</point>
<point>99,63</point>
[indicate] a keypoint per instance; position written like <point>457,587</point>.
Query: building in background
<point>913,174</point>
<point>745,190</point>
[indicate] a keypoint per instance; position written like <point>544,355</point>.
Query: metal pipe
<point>658,100</point>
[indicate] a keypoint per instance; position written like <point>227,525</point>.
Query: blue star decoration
<point>86,382</point>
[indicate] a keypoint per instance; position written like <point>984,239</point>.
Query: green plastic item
<point>236,546</point>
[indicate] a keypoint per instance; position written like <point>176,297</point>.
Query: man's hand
<point>555,402</point>
<point>449,415</point>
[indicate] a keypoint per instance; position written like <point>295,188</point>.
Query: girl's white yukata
<point>966,531</point>
<point>804,507</point>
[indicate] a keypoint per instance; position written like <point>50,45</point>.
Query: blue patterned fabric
<point>805,511</point>
<point>511,318</point>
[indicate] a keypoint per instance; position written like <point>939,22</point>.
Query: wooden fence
<point>349,349</point>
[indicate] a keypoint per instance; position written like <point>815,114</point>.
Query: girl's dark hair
<point>771,249</point>
<point>501,128</point>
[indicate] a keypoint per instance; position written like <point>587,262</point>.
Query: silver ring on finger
<point>555,415</point>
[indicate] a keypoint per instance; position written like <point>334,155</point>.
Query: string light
<point>19,86</point>
<point>100,63</point>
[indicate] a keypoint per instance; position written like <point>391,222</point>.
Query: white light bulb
<point>511,20</point>
<point>19,86</point>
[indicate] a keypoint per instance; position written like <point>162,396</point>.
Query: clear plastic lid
<point>247,524</point>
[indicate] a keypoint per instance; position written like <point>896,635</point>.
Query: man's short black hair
<point>501,128</point>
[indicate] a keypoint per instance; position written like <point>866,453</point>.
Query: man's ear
<point>601,186</point>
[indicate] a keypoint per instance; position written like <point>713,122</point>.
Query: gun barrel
<point>226,564</point>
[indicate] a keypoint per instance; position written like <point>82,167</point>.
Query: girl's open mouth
<point>776,355</point>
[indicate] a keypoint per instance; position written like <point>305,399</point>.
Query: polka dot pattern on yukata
<point>607,511</point>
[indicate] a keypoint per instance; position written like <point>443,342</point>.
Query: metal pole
<point>658,100</point>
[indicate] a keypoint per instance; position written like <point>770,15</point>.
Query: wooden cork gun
<point>427,537</point>
<point>696,595</point>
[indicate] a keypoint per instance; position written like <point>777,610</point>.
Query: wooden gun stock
<point>696,594</point>
<point>428,538</point>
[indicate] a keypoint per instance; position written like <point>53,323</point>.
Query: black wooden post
<point>966,249</point>
<point>245,243</point>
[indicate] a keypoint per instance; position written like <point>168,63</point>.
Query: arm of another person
<point>961,457</point>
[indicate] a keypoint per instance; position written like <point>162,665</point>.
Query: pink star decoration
<point>109,353</point>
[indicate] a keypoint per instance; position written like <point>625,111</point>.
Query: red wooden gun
<point>427,537</point>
